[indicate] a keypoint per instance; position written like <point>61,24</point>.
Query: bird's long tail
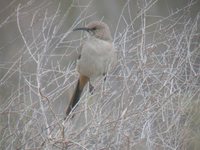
<point>77,93</point>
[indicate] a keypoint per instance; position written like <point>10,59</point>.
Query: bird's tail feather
<point>77,93</point>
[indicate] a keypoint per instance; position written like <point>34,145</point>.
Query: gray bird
<point>96,57</point>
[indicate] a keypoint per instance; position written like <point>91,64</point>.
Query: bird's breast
<point>95,57</point>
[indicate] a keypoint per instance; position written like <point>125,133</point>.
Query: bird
<point>97,56</point>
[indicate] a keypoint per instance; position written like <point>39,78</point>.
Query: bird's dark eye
<point>94,28</point>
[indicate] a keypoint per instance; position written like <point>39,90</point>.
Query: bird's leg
<point>91,88</point>
<point>79,56</point>
<point>104,77</point>
<point>104,82</point>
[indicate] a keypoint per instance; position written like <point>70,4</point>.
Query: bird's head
<point>97,29</point>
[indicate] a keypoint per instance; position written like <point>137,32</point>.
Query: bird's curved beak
<point>82,28</point>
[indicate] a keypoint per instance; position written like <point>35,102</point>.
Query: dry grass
<point>149,101</point>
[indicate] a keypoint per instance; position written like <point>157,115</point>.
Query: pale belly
<point>95,59</point>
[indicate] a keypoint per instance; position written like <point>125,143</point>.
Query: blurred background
<point>150,100</point>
